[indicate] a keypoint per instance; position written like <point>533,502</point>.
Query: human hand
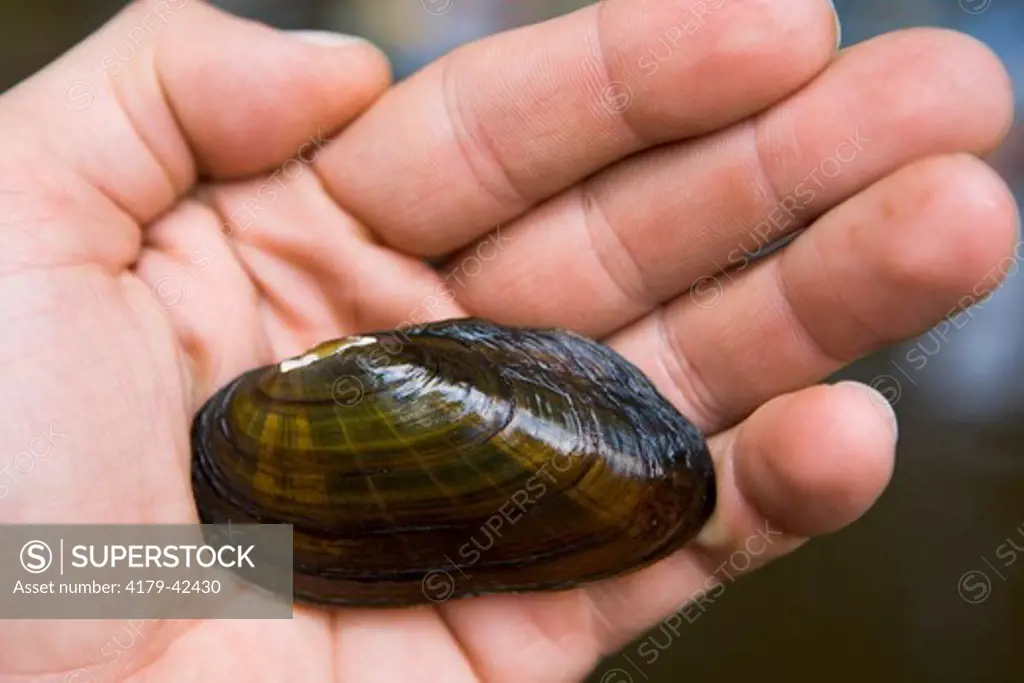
<point>628,151</point>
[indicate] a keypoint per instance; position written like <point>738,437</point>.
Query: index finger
<point>171,89</point>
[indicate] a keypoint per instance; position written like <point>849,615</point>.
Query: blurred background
<point>927,587</point>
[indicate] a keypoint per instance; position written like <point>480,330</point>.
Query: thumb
<point>170,89</point>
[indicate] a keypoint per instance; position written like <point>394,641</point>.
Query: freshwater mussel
<point>460,458</point>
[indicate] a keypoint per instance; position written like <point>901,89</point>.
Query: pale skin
<point>124,306</point>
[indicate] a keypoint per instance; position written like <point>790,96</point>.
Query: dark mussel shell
<point>460,458</point>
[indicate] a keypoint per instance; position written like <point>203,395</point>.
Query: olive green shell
<point>459,459</point>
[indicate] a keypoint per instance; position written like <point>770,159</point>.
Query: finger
<point>802,465</point>
<point>381,646</point>
<point>882,267</point>
<point>647,228</point>
<point>171,88</point>
<point>491,129</point>
<point>217,284</point>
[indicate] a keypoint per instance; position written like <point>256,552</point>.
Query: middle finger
<point>611,249</point>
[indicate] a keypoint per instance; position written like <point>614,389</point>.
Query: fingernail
<point>326,38</point>
<point>714,534</point>
<point>839,24</point>
<point>881,402</point>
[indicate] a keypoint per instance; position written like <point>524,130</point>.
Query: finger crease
<point>603,630</point>
<point>608,72</point>
<point>178,125</point>
<point>440,611</point>
<point>789,311</point>
<point>624,272</point>
<point>686,379</point>
<point>867,331</point>
<point>168,176</point>
<point>477,152</point>
<point>774,197</point>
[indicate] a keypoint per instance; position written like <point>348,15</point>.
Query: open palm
<point>175,216</point>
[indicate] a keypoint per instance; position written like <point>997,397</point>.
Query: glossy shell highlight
<point>459,459</point>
